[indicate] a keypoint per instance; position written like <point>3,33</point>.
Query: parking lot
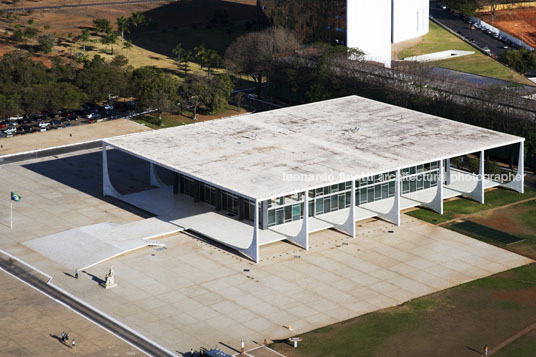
<point>463,26</point>
<point>41,122</point>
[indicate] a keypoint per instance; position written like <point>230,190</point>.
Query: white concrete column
<point>348,226</point>
<point>302,238</point>
<point>154,177</point>
<point>393,214</point>
<point>447,172</point>
<point>436,204</point>
<point>518,183</point>
<point>253,250</point>
<point>107,187</point>
<point>478,193</point>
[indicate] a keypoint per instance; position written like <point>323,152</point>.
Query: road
<point>27,276</point>
<point>58,7</point>
<point>456,24</point>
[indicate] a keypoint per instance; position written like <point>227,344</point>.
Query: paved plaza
<point>30,324</point>
<point>194,294</point>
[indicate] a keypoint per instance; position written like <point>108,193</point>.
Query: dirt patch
<point>526,297</point>
<point>507,220</point>
<point>520,23</point>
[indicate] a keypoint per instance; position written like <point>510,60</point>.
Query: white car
<point>43,124</point>
<point>16,117</point>
<point>10,131</point>
<point>93,116</point>
<point>108,106</point>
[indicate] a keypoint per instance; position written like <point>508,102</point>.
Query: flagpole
<point>11,214</point>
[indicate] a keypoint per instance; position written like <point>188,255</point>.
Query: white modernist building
<point>251,180</point>
<point>373,25</point>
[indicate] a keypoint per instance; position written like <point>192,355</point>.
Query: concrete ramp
<point>83,247</point>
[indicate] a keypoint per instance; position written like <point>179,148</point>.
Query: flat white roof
<point>287,150</point>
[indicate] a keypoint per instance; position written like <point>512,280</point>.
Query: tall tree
<point>201,54</point>
<point>127,46</point>
<point>187,56</point>
<point>137,19</point>
<point>122,26</point>
<point>102,25</point>
<point>253,53</point>
<point>84,37</point>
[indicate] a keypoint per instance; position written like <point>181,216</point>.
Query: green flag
<point>15,197</point>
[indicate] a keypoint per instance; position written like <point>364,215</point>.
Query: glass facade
<point>335,197</point>
<point>322,200</point>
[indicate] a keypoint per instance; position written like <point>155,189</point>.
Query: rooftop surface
<point>282,151</point>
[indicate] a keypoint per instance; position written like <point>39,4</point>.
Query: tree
<point>155,89</point>
<point>178,51</point>
<point>119,61</point>
<point>466,7</point>
<point>102,25</point>
<point>493,4</point>
<point>122,26</point>
<point>212,60</point>
<point>187,56</point>
<point>137,19</point>
<point>30,32</point>
<point>127,46</point>
<point>201,54</point>
<point>46,43</point>
<point>17,36</point>
<point>110,39</point>
<point>84,37</point>
<point>252,54</point>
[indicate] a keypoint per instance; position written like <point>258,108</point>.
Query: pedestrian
<point>76,273</point>
<point>62,339</point>
<point>73,343</point>
<point>485,350</point>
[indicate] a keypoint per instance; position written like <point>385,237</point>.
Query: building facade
<point>371,26</point>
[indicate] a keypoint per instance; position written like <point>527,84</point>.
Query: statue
<point>109,279</point>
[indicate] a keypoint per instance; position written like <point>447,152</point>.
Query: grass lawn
<point>524,346</point>
<point>518,220</point>
<point>459,207</point>
<point>439,39</point>
<point>170,120</point>
<point>454,322</point>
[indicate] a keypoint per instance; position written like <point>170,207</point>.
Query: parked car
<point>67,123</point>
<point>108,106</point>
<point>10,131</point>
<point>56,123</point>
<point>16,117</point>
<point>44,124</point>
<point>93,116</point>
<point>24,129</point>
<point>3,124</point>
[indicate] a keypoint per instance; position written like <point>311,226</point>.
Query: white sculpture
<point>109,279</point>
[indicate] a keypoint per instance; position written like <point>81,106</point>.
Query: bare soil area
<point>520,23</point>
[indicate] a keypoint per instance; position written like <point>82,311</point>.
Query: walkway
<point>28,276</point>
<point>83,247</point>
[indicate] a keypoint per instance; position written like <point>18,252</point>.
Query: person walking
<point>73,343</point>
<point>62,339</point>
<point>485,350</point>
<point>76,273</point>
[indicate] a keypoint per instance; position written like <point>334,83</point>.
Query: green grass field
<point>458,207</point>
<point>454,322</point>
<point>439,39</point>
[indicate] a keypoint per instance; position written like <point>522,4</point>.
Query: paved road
<point>24,274</point>
<point>57,7</point>
<point>456,24</point>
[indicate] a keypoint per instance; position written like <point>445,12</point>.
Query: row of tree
<point>520,60</point>
<point>27,86</point>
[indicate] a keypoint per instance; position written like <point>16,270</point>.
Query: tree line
<point>28,86</point>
